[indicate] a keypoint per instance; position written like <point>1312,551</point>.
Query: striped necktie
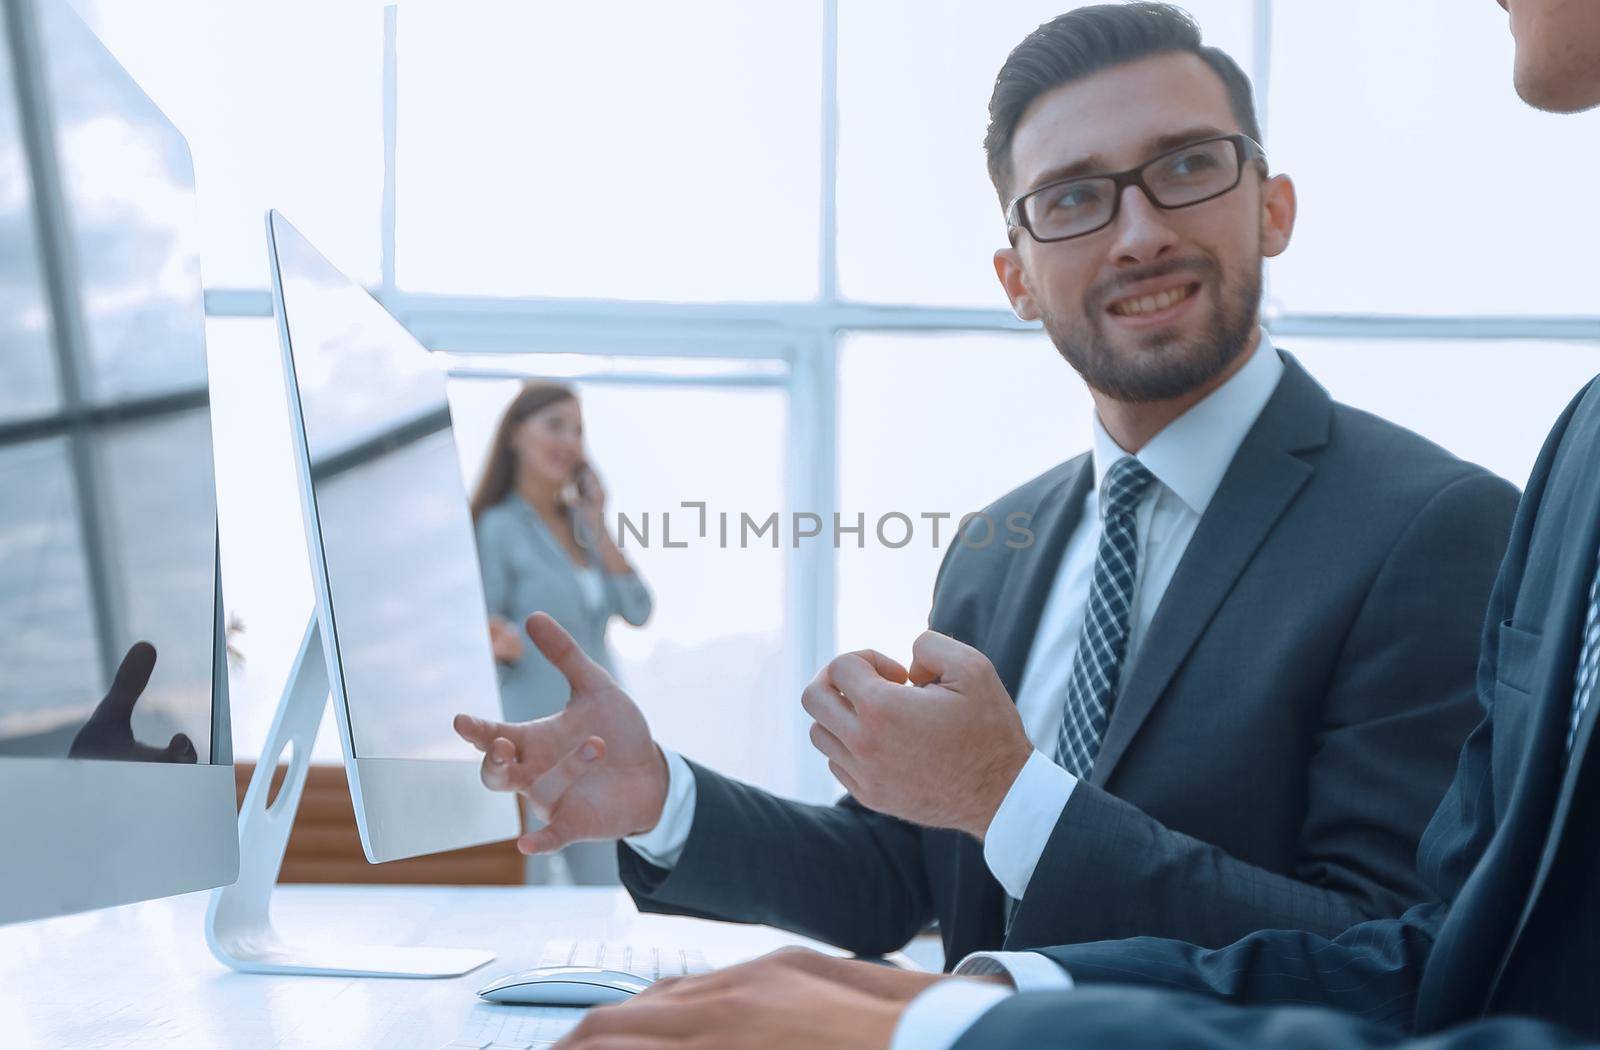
<point>1104,639</point>
<point>1588,660</point>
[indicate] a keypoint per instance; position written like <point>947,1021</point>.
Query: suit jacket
<point>1512,855</point>
<point>1289,722</point>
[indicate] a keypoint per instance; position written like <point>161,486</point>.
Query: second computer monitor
<point>399,594</point>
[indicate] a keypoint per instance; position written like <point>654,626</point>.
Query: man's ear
<point>1278,207</point>
<point>1008,267</point>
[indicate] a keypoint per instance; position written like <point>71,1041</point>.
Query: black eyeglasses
<point>1179,178</point>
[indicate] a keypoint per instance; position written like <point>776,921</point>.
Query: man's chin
<point>1155,372</point>
<point>1561,97</point>
<point>1153,349</point>
<point>1162,363</point>
<point>1572,90</point>
<point>1165,339</point>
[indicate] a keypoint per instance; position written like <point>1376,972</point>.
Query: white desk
<point>140,975</point>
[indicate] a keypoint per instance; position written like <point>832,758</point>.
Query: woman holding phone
<point>542,544</point>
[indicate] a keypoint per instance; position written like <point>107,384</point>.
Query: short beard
<point>1163,368</point>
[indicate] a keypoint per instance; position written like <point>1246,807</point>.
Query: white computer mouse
<point>565,986</point>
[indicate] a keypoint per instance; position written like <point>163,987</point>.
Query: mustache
<point>1199,267</point>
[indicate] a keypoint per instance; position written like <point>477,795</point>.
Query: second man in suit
<point>1241,647</point>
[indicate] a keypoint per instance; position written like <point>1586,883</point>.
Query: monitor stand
<point>239,921</point>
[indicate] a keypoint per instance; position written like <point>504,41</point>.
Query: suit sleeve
<point>1138,1019</point>
<point>1399,705</point>
<point>840,874</point>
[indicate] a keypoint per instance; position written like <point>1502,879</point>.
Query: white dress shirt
<point>1188,459</point>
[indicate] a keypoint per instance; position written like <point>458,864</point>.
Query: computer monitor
<point>400,603</point>
<point>116,775</point>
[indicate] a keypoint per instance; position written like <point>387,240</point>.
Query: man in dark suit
<point>1506,954</point>
<point>1233,525</point>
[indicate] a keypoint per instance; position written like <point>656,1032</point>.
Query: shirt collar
<point>1191,455</point>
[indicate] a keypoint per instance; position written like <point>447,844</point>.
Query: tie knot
<point>1125,484</point>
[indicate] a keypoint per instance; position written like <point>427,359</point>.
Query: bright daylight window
<point>582,185</point>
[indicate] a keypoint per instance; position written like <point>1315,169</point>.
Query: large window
<point>282,104</point>
<point>758,239</point>
<point>1426,187</point>
<point>614,149</point>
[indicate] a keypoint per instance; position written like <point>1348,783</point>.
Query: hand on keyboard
<point>787,1001</point>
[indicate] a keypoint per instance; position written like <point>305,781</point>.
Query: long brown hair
<point>500,471</point>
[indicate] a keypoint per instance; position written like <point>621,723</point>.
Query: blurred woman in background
<point>542,543</point>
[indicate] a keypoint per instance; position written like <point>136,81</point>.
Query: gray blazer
<point>527,570</point>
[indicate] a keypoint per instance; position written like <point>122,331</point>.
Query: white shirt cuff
<point>1029,971</point>
<point>663,844</point>
<point>941,1014</point>
<point>1027,817</point>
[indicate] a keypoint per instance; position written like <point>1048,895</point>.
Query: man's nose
<point>1143,233</point>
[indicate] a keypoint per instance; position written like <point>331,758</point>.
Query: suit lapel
<point>1262,481</point>
<point>1549,775</point>
<point>1032,573</point>
<point>1577,567</point>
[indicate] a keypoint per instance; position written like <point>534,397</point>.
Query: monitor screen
<point>107,502</point>
<point>392,535</point>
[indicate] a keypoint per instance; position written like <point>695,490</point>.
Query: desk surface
<point>140,975</point>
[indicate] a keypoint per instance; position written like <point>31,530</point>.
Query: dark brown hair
<point>500,471</point>
<point>1089,40</point>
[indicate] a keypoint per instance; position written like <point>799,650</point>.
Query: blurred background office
<point>755,240</point>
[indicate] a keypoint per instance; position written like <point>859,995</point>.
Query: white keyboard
<point>499,1027</point>
<point>515,1027</point>
<point>649,961</point>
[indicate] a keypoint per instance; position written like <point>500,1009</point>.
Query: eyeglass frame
<point>1247,150</point>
